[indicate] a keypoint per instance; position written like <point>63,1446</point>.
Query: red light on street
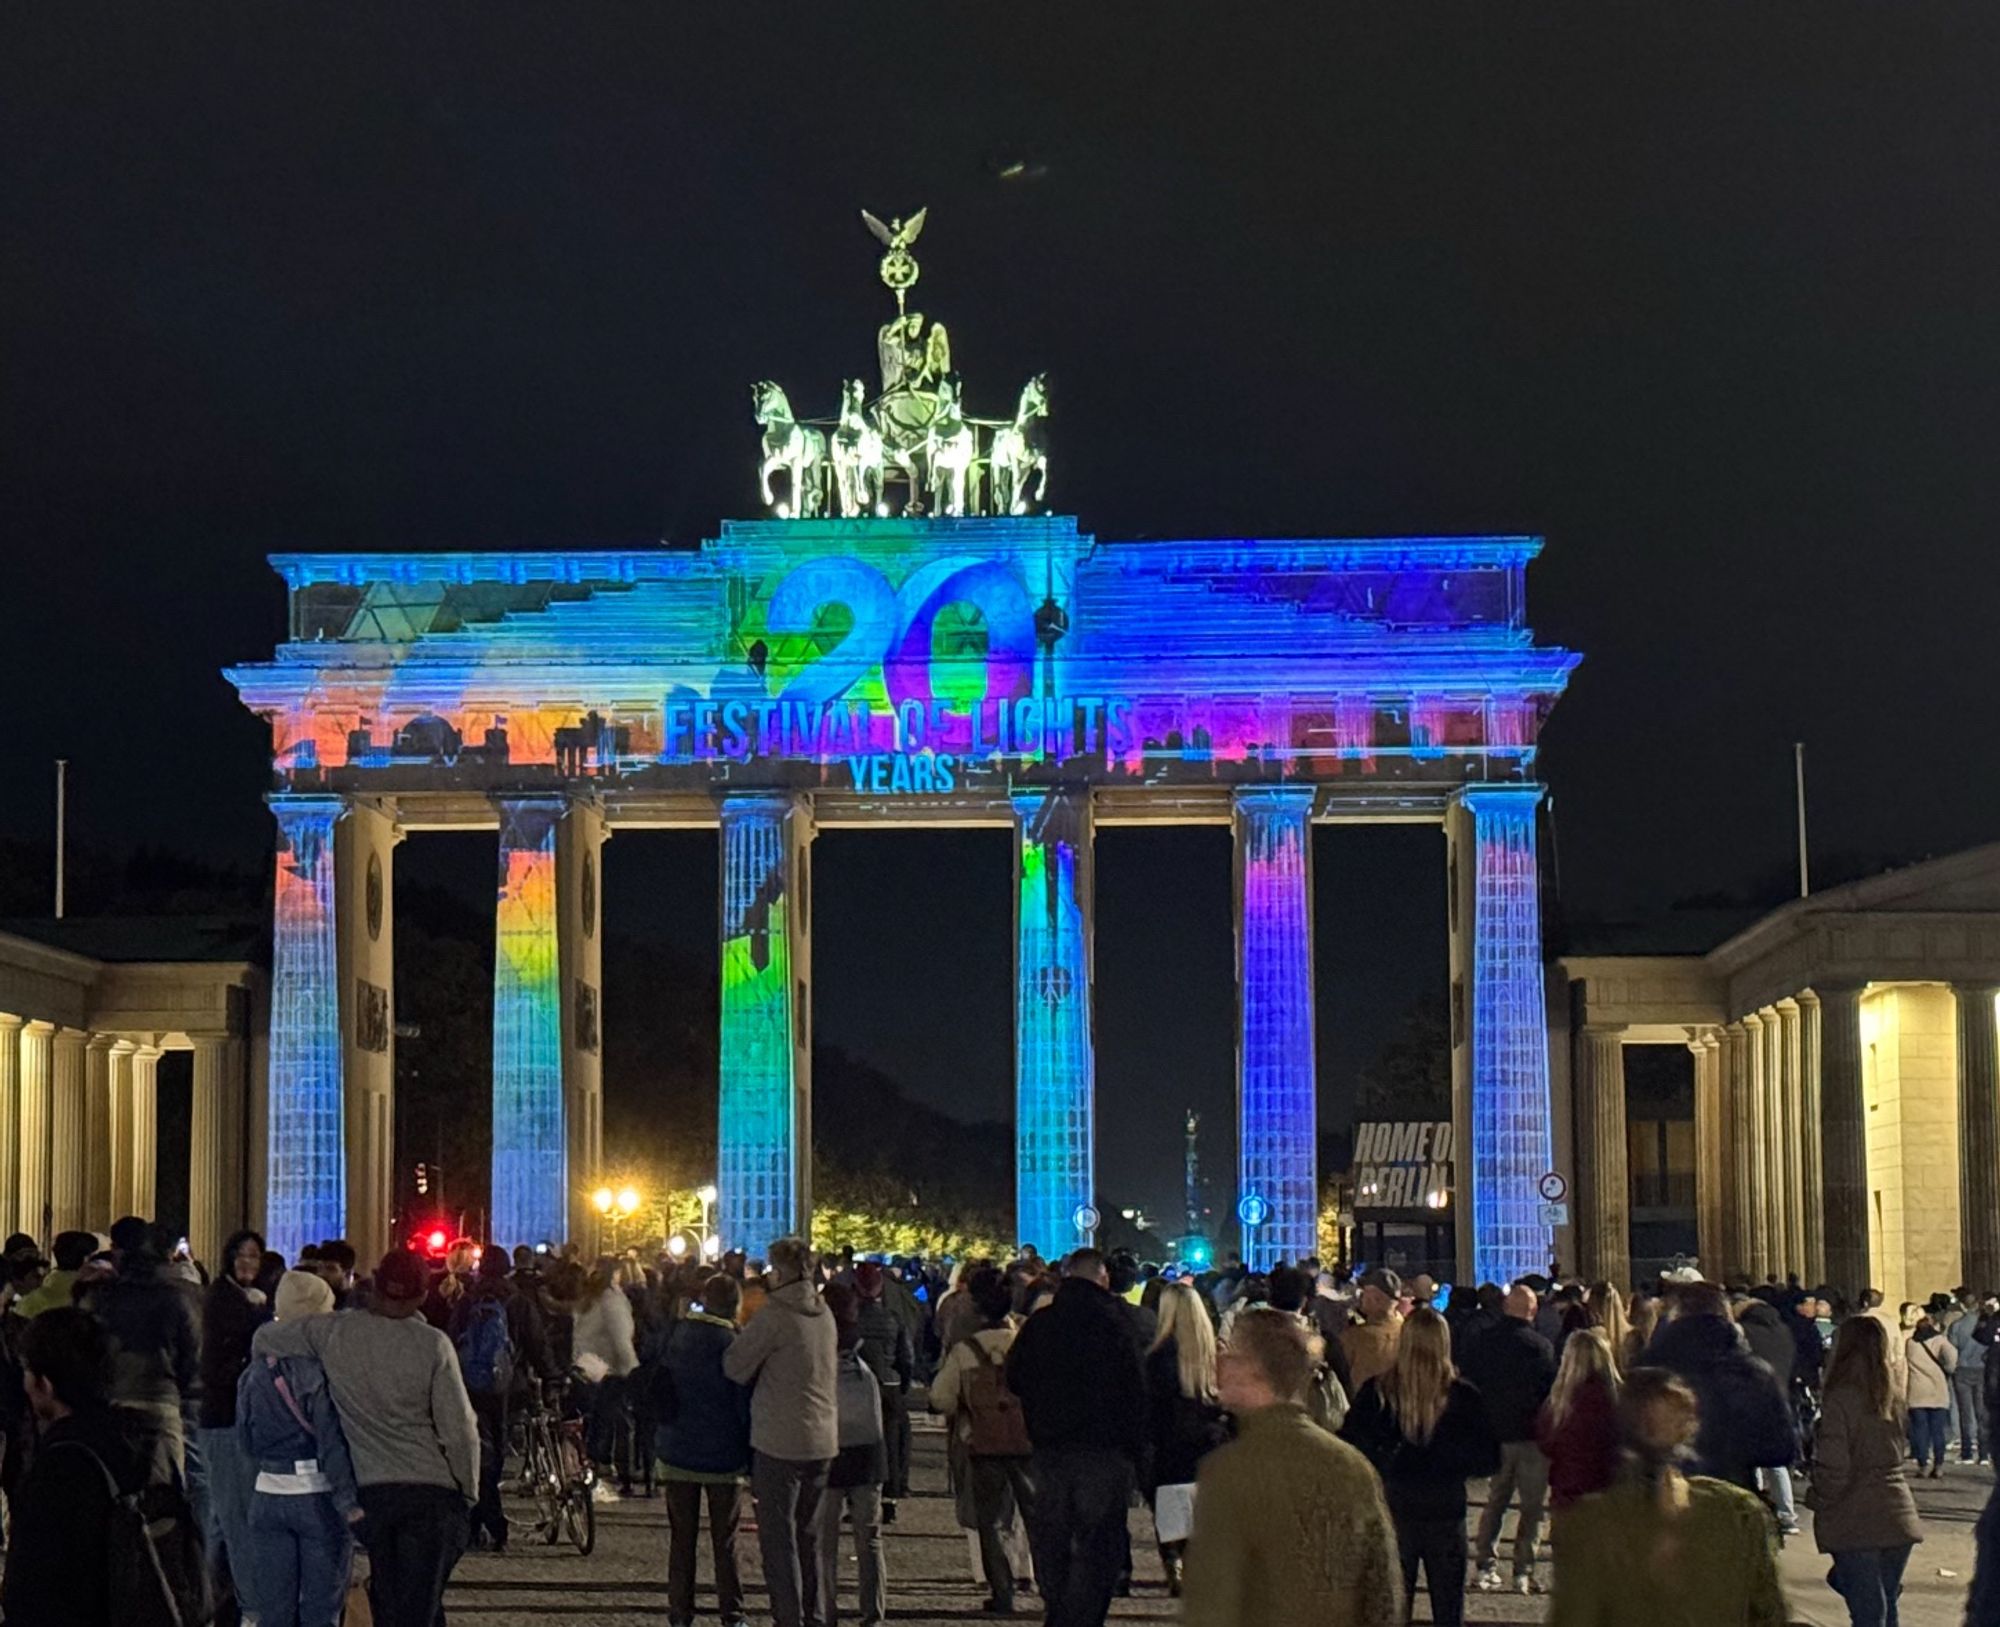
<point>438,1241</point>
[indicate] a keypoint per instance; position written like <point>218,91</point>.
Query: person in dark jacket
<point>1426,1431</point>
<point>1514,1368</point>
<point>1772,1343</point>
<point>1746,1423</point>
<point>231,1313</point>
<point>534,1362</point>
<point>155,1336</point>
<point>892,1357</point>
<point>62,1509</point>
<point>1076,1371</point>
<point>702,1440</point>
<point>854,1479</point>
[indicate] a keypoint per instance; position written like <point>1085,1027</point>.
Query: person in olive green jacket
<point>1663,1549</point>
<point>1290,1526</point>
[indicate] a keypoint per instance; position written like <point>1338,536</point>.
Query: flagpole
<point>1799,774</point>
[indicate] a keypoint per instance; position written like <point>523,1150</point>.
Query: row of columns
<point>332,976</point>
<point>1781,1142</point>
<point>79,1131</point>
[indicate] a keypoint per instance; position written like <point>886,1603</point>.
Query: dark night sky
<point>1703,293</point>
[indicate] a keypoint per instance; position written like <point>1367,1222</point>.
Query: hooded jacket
<point>1077,1373</point>
<point>786,1353</point>
<point>1746,1422</point>
<point>1769,1339</point>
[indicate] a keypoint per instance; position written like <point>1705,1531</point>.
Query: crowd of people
<point>1305,1440</point>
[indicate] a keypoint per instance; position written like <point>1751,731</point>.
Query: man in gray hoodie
<point>786,1354</point>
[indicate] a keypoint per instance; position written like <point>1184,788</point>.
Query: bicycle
<point>558,1472</point>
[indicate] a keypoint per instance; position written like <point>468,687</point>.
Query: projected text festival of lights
<point>789,675</point>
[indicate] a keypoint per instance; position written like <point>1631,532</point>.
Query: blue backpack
<point>485,1352</point>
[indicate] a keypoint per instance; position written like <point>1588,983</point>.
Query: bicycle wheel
<point>544,1473</point>
<point>579,1517</point>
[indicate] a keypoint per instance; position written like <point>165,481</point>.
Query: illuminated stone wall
<point>307,1161</point>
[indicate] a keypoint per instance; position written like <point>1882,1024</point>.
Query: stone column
<point>306,1134</point>
<point>66,1129</point>
<point>531,1188</point>
<point>764,1112</point>
<point>1055,1074</point>
<point>1777,1168</point>
<point>1736,1091</point>
<point>1710,1163</point>
<point>10,1124</point>
<point>215,1159</point>
<point>364,912</point>
<point>1757,1203</point>
<point>145,1130</point>
<point>1978,1135</point>
<point>37,1094</point>
<point>1603,1185</point>
<point>1844,1140</point>
<point>1276,1092</point>
<point>1812,1168</point>
<point>123,1177</point>
<point>97,1213</point>
<point>579,872</point>
<point>1792,1163</point>
<point>1501,1067</point>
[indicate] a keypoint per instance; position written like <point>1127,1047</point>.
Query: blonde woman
<point>1425,1430</point>
<point>1185,1422</point>
<point>1578,1426</point>
<point>1607,1311</point>
<point>1661,1548</point>
<point>1645,1320</point>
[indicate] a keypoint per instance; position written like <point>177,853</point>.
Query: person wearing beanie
<point>886,1347</point>
<point>291,1544</point>
<point>410,1429</point>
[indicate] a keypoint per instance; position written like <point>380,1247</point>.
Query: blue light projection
<point>1511,1140</point>
<point>1055,1133</point>
<point>530,1148</point>
<point>764,1138</point>
<point>307,1144</point>
<point>1276,1100</point>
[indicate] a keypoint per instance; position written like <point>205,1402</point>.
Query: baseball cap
<point>401,1275</point>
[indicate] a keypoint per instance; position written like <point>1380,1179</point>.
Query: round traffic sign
<point>1253,1210</point>
<point>1553,1187</point>
<point>1086,1219</point>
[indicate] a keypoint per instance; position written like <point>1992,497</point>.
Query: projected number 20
<point>895,629</point>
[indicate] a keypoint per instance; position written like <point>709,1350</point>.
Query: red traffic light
<point>437,1241</point>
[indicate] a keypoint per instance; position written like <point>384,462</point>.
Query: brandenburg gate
<point>908,639</point>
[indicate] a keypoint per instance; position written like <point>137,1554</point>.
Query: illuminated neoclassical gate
<point>946,667</point>
<point>792,675</point>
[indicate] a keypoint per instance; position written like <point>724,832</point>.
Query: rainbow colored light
<point>530,1150</point>
<point>307,1144</point>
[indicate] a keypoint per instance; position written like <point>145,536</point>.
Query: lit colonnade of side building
<point>1846,1084</point>
<point>794,675</point>
<point>89,1010</point>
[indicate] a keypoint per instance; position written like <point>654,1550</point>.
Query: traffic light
<point>423,1179</point>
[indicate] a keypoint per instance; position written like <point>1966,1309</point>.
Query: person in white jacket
<point>1927,1393</point>
<point>606,1354</point>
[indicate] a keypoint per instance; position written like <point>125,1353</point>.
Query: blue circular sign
<point>1253,1210</point>
<point>1086,1219</point>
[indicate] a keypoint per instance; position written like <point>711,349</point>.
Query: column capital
<point>1977,988</point>
<point>1605,1031</point>
<point>68,1037</point>
<point>1838,993</point>
<point>1751,1021</point>
<point>9,1020</point>
<point>1285,801</point>
<point>1507,798</point>
<point>1786,1007</point>
<point>38,1027</point>
<point>1805,998</point>
<point>102,1042</point>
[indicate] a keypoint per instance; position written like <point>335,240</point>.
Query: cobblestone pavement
<point>930,1570</point>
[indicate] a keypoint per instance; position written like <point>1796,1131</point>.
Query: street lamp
<point>628,1202</point>
<point>602,1199</point>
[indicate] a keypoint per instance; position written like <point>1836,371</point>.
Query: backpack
<point>999,1429</point>
<point>858,1396</point>
<point>485,1351</point>
<point>154,1559</point>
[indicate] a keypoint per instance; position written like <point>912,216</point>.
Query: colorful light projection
<point>307,1144</point>
<point>1276,1101</point>
<point>1055,1115</point>
<point>1511,1142</point>
<point>530,1148</point>
<point>764,1137</point>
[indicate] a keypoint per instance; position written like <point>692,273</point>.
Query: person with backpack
<point>502,1343</point>
<point>299,1543</point>
<point>702,1441</point>
<point>65,1507</point>
<point>854,1482</point>
<point>410,1432</point>
<point>155,1331</point>
<point>989,1438</point>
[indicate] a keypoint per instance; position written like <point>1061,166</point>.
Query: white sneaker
<point>1488,1579</point>
<point>603,1492</point>
<point>1525,1585</point>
